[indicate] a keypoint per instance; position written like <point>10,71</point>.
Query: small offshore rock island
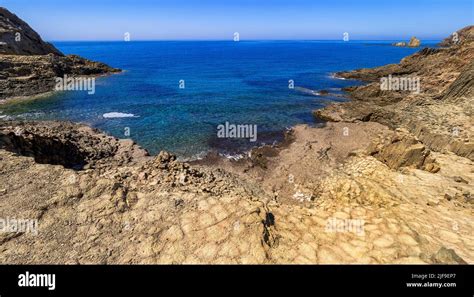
<point>394,169</point>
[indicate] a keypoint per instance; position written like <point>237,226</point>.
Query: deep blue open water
<point>242,82</point>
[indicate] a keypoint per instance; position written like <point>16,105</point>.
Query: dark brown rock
<point>18,38</point>
<point>30,66</point>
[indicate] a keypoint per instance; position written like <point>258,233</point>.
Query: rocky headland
<point>387,179</point>
<point>440,114</point>
<point>29,66</point>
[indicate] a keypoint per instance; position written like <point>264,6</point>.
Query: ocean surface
<point>244,82</point>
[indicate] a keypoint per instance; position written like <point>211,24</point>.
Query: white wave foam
<point>334,76</point>
<point>111,115</point>
<point>195,157</point>
<point>6,117</point>
<point>28,115</point>
<point>307,91</point>
<point>234,157</point>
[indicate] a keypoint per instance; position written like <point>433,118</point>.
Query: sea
<point>173,95</point>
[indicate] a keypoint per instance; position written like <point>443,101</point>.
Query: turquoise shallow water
<point>242,82</point>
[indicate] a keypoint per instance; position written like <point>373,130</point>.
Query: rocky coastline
<point>384,180</point>
<point>441,110</point>
<point>29,66</point>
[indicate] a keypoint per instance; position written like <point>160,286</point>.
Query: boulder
<point>402,150</point>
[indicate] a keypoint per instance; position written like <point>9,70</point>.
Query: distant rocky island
<point>414,42</point>
<point>29,65</point>
<point>388,178</point>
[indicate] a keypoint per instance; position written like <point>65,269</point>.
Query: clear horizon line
<point>227,40</point>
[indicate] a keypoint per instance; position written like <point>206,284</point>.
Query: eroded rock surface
<point>440,114</point>
<point>384,181</point>
<point>71,145</point>
<point>341,206</point>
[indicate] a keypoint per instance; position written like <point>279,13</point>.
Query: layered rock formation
<point>29,66</point>
<point>458,37</point>
<point>440,114</point>
<point>23,76</point>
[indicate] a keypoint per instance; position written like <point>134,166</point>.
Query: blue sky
<point>253,19</point>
